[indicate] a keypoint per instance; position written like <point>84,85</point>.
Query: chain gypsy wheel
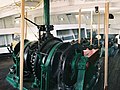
<point>45,48</point>
<point>56,59</point>
<point>29,52</point>
<point>69,65</point>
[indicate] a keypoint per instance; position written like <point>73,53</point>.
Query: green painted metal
<point>36,83</point>
<point>51,54</point>
<point>41,79</point>
<point>91,76</point>
<point>47,13</point>
<point>45,68</point>
<point>42,72</point>
<point>14,81</point>
<point>74,64</point>
<point>85,78</point>
<point>17,60</point>
<point>81,73</point>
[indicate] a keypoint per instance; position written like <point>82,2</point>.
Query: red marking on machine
<point>88,53</point>
<point>92,55</point>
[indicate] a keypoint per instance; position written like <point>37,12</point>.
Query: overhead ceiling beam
<point>57,8</point>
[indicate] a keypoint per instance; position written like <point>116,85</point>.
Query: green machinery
<point>55,65</point>
<point>51,64</point>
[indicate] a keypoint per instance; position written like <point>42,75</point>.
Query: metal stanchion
<point>98,28</point>
<point>26,26</point>
<point>79,23</point>
<point>91,27</point>
<point>106,46</point>
<point>22,43</point>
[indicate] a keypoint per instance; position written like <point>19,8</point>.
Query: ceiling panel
<point>5,2</point>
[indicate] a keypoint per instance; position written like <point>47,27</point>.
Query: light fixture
<point>96,9</point>
<point>98,36</point>
<point>62,19</point>
<point>87,17</point>
<point>111,16</point>
<point>17,21</point>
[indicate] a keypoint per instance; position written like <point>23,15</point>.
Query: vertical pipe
<point>79,23</point>
<point>47,24</point>
<point>26,25</point>
<point>91,27</point>
<point>47,14</point>
<point>22,43</point>
<point>98,28</point>
<point>106,46</point>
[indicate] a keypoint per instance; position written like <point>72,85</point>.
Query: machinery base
<point>14,81</point>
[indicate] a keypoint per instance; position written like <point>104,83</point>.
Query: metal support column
<point>99,29</point>
<point>22,43</point>
<point>106,46</point>
<point>91,28</point>
<point>79,22</point>
<point>26,25</point>
<point>47,14</point>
